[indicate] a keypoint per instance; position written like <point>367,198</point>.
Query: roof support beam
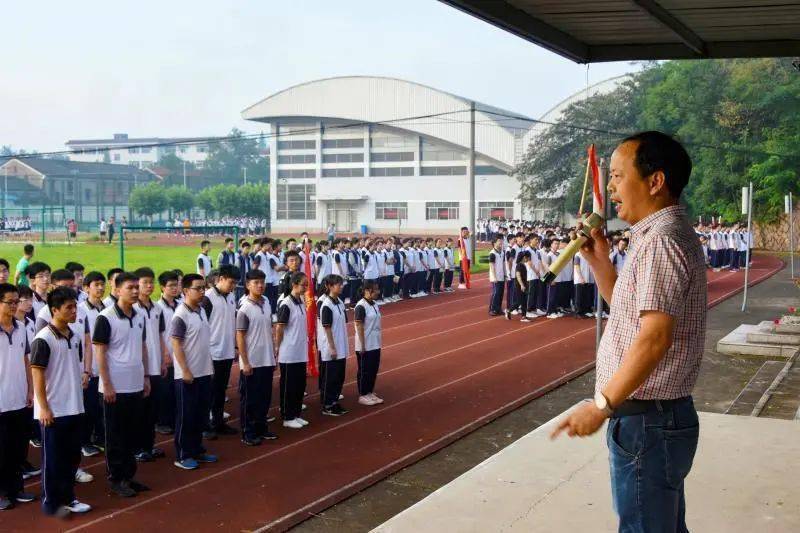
<point>513,20</point>
<point>689,38</point>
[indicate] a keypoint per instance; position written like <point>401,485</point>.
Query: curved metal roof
<point>394,102</point>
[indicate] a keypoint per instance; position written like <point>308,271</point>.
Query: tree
<point>148,200</point>
<point>205,200</point>
<point>254,200</point>
<point>228,158</point>
<point>179,199</point>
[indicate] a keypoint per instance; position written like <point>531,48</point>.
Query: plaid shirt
<point>664,271</point>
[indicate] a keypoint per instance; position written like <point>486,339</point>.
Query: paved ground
<point>720,388</point>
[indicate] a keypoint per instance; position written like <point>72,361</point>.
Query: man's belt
<point>639,407</point>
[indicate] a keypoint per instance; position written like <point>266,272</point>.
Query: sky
<point>90,68</point>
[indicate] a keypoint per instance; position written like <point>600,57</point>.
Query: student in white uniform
<point>119,341</point>
<point>39,276</point>
<point>368,344</point>
<point>204,264</point>
<point>16,395</point>
<point>584,287</point>
<point>94,438</point>
<point>291,340</point>
<point>22,314</point>
<point>497,276</point>
<point>56,367</point>
<point>333,345</point>
<point>111,275</point>
<point>256,360</point>
<point>77,270</point>
<point>220,308</point>
<point>170,289</point>
<point>619,254</point>
<point>191,339</point>
<point>156,366</point>
<point>449,265</point>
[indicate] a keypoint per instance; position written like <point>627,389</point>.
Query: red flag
<point>464,263</point>
<point>598,195</point>
<point>311,312</point>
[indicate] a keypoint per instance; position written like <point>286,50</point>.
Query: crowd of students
<point>725,246</point>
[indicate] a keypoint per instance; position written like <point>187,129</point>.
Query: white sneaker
<point>554,315</point>
<point>303,407</point>
<point>341,397</point>
<point>541,312</point>
<point>605,315</point>
<point>78,507</point>
<point>462,286</point>
<point>588,315</point>
<point>366,400</point>
<point>82,476</point>
<point>293,424</point>
<point>225,415</point>
<point>302,421</point>
<point>376,398</point>
<point>531,315</point>
<point>515,312</point>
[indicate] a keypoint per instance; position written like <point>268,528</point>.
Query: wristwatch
<point>601,402</point>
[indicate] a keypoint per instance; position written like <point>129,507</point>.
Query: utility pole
<point>603,211</point>
<point>471,176</point>
<point>747,203</point>
<point>5,190</point>
<point>790,212</point>
<point>245,175</point>
<point>184,174</point>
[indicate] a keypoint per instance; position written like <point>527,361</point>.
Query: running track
<point>447,369</point>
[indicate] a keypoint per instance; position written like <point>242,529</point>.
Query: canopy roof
<point>589,31</point>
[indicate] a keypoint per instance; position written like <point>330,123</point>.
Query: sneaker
<point>157,453</point>
<point>515,312</point>
<point>302,421</point>
<point>24,497</point>
<point>462,286</point>
<point>377,399</point>
<point>541,312</point>
<point>366,400</point>
<point>210,435</point>
<point>225,415</point>
<point>6,503</point>
<point>554,315</point>
<point>186,464</point>
<point>303,407</point>
<point>78,507</point>
<point>138,487</point>
<point>341,397</point>
<point>293,424</point>
<point>90,450</point>
<point>122,489</point>
<point>225,429</point>
<point>36,443</point>
<point>270,419</point>
<point>525,319</point>
<point>82,476</point>
<point>164,430</point>
<point>251,441</point>
<point>495,313</point>
<point>28,470</point>
<point>589,315</point>
<point>268,435</point>
<point>144,457</point>
<point>508,315</point>
<point>605,315</point>
<point>206,458</point>
<point>334,410</point>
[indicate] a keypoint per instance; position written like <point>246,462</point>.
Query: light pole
<point>184,174</point>
<point>245,175</point>
<point>790,213</point>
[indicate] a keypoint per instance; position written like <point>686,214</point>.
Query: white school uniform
<point>294,347</point>
<point>372,326</point>
<point>205,261</point>
<point>222,322</point>
<point>14,350</point>
<point>338,330</point>
<point>154,326</point>
<point>62,359</point>
<point>124,338</point>
<point>255,319</point>
<point>192,328</point>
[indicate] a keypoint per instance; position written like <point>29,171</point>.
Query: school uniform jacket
<point>292,314</point>
<point>332,315</point>
<point>368,314</point>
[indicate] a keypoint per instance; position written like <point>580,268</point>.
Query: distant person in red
<point>72,228</point>
<point>649,357</point>
<point>465,248</point>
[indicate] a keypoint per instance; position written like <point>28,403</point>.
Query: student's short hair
<point>5,288</point>
<point>546,243</point>
<point>255,275</point>
<point>290,239</point>
<point>297,278</point>
<point>525,254</point>
<point>257,241</point>
<point>497,239</point>
<point>565,240</point>
<point>277,242</point>
<point>27,249</point>
<point>5,263</point>
<point>229,271</point>
<point>178,271</point>
<point>204,244</point>
<point>73,267</point>
<point>166,277</point>
<point>59,296</point>
<point>332,279</point>
<point>62,274</point>
<point>93,276</point>
<point>24,291</point>
<point>112,273</point>
<point>125,276</point>
<point>290,253</point>
<point>244,244</point>
<point>265,241</point>
<point>228,239</point>
<point>464,228</point>
<point>658,151</point>
<point>144,272</point>
<point>36,268</point>
<point>188,279</point>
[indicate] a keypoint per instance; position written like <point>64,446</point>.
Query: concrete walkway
<point>745,478</point>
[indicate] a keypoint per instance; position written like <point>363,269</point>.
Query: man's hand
<point>29,399</point>
<point>333,355</point>
<point>188,377</point>
<point>85,381</point>
<point>46,416</point>
<point>596,248</point>
<point>247,370</point>
<point>582,422</point>
<point>146,391</point>
<point>109,394</point>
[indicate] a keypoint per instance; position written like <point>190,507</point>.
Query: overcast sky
<point>90,68</point>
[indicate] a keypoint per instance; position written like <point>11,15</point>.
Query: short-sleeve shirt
<point>22,265</point>
<point>14,349</point>
<point>154,328</point>
<point>61,357</point>
<point>254,318</point>
<point>191,328</point>
<point>369,315</point>
<point>664,271</point>
<point>124,337</point>
<point>292,314</point>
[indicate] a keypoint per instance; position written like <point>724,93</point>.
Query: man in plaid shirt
<point>650,353</point>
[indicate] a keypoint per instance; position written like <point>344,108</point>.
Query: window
<point>116,157</point>
<point>343,172</point>
<point>391,157</point>
<point>70,188</point>
<point>183,148</point>
<point>297,159</point>
<point>144,150</point>
<point>133,163</point>
<point>444,171</point>
<point>393,141</point>
<point>484,170</point>
<point>441,210</point>
<point>87,195</point>
<point>391,211</point>
<point>343,143</point>
<point>440,152</point>
<point>297,145</point>
<point>391,171</point>
<point>297,173</point>
<point>133,150</point>
<point>343,158</point>
<point>295,203</point>
<point>496,210</point>
<point>201,148</point>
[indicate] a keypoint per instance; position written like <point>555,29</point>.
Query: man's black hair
<point>189,278</point>
<point>5,263</point>
<point>59,296</point>
<point>36,268</point>
<point>166,277</point>
<point>73,267</point>
<point>229,271</point>
<point>27,249</point>
<point>93,276</point>
<point>125,276</point>
<point>113,272</point>
<point>658,151</point>
<point>255,274</point>
<point>5,288</point>
<point>62,274</point>
<point>144,272</point>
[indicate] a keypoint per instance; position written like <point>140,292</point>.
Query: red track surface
<point>447,369</point>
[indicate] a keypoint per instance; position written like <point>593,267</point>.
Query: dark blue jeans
<point>650,456</point>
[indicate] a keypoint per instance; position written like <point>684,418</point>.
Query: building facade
<point>141,152</point>
<point>387,154</point>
